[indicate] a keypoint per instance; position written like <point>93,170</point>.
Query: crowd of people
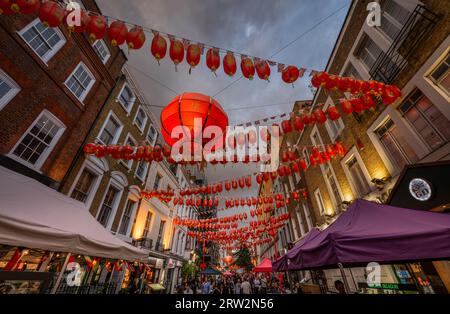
<point>247,283</point>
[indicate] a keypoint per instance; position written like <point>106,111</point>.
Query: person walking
<point>246,287</point>
<point>237,287</point>
<point>206,287</point>
<point>257,285</point>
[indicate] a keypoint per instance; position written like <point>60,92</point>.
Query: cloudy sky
<point>260,28</point>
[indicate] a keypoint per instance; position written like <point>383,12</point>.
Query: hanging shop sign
<point>420,189</point>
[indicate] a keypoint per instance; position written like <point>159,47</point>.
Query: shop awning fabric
<point>264,267</point>
<point>372,232</point>
<point>33,215</point>
<point>282,264</point>
<point>211,272</point>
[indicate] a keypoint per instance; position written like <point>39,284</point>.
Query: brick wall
<point>42,87</point>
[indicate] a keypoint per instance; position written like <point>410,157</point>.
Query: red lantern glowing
<point>213,59</point>
<point>136,38</point>
<point>263,70</point>
<point>333,113</point>
<point>229,64</point>
<point>182,111</point>
<point>247,68</point>
<point>159,47</point>
<point>117,33</point>
<point>51,14</point>
<point>286,126</point>
<point>96,27</point>
<point>298,123</point>
<point>6,7</point>
<point>320,116</point>
<point>176,52</point>
<point>290,74</point>
<point>346,105</point>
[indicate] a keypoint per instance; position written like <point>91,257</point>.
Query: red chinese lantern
<point>228,259</point>
<point>182,111</point>
<point>25,6</point>
<point>96,27</point>
<point>247,68</point>
<point>136,38</point>
<point>319,79</point>
<point>320,116</point>
<point>51,14</point>
<point>193,54</point>
<point>213,59</point>
<point>346,105</point>
<point>117,33</point>
<point>159,47</point>
<point>72,23</point>
<point>229,64</point>
<point>6,7</point>
<point>286,126</point>
<point>333,113</point>
<point>298,123</point>
<point>202,266</point>
<point>263,70</point>
<point>290,74</point>
<point>176,52</point>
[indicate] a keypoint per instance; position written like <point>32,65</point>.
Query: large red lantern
<point>333,113</point>
<point>247,68</point>
<point>25,6</point>
<point>263,70</point>
<point>290,74</point>
<point>51,14</point>
<point>213,59</point>
<point>193,54</point>
<point>117,33</point>
<point>176,52</point>
<point>229,64</point>
<point>159,47</point>
<point>96,27</point>
<point>228,259</point>
<point>136,38</point>
<point>182,111</point>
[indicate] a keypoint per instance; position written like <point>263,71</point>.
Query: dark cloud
<point>255,27</point>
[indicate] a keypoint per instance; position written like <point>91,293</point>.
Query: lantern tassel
<point>176,68</point>
<point>190,70</point>
<point>215,74</point>
<point>159,64</point>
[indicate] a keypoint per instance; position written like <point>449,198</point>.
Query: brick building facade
<point>53,86</point>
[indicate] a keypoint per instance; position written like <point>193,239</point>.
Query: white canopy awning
<point>35,216</point>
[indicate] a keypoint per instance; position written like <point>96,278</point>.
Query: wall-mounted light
<point>380,183</point>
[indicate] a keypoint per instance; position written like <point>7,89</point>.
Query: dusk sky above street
<point>259,28</point>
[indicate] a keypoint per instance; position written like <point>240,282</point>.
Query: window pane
<point>83,186</point>
<point>37,141</point>
<point>106,209</point>
<point>4,88</point>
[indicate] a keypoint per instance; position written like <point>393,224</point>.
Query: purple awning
<point>372,232</point>
<point>282,263</point>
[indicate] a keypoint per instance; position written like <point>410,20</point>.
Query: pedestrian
<point>206,287</point>
<point>237,286</point>
<point>218,289</point>
<point>339,285</point>
<point>257,285</point>
<point>263,285</point>
<point>246,287</point>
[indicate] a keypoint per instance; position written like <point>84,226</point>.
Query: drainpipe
<point>80,150</point>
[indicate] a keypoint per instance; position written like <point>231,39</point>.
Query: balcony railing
<point>105,288</point>
<point>419,24</point>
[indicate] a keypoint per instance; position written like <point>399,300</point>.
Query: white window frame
<point>330,189</point>
<point>307,213</point>
<point>45,58</point>
<point>110,115</point>
<point>15,89</point>
<point>97,170</point>
<point>124,106</point>
<point>436,85</point>
<point>88,88</point>
<point>353,152</point>
<point>127,236</point>
<point>120,187</point>
<point>405,130</point>
<point>320,202</point>
<point>145,171</point>
<point>129,164</point>
<point>306,156</point>
<point>339,122</point>
<point>108,53</point>
<point>43,157</point>
<point>141,128</point>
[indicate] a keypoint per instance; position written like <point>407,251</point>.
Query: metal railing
<point>103,288</point>
<point>418,25</point>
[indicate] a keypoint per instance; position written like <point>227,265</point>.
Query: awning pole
<point>61,274</point>
<point>344,277</point>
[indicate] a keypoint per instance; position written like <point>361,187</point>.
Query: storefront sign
<point>170,263</point>
<point>389,286</point>
<point>420,189</point>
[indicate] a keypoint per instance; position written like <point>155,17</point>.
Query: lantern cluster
<point>318,156</point>
<point>388,93</point>
<point>165,196</point>
<point>198,202</point>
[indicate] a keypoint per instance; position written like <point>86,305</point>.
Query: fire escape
<point>418,26</point>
